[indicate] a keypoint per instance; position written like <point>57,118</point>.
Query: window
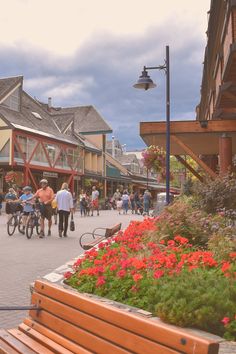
<point>5,152</point>
<point>36,115</point>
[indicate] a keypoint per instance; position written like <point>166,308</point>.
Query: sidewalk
<point>22,260</point>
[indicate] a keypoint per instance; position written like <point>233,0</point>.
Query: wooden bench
<point>99,234</point>
<point>70,322</point>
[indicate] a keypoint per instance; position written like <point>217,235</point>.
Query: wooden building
<point>38,140</point>
<point>211,139</point>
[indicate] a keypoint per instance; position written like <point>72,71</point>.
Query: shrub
<point>217,194</point>
<point>181,218</point>
<point>200,299</point>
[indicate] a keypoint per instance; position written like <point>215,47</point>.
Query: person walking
<point>95,203</point>
<point>82,197</point>
<point>132,202</point>
<point>146,201</point>
<point>119,204</point>
<point>125,202</point>
<point>65,207</point>
<point>45,195</point>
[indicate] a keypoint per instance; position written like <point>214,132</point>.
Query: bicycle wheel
<point>20,225</point>
<point>29,227</point>
<point>11,225</point>
<point>36,224</point>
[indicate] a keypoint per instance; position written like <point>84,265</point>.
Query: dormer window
<point>36,115</point>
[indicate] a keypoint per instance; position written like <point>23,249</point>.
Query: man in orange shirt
<point>46,196</point>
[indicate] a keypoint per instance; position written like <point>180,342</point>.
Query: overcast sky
<point>92,52</point>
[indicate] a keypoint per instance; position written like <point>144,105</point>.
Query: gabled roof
<point>127,159</point>
<point>87,119</point>
<point>8,84</point>
<point>28,121</point>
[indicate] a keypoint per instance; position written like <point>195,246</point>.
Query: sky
<point>92,52</point>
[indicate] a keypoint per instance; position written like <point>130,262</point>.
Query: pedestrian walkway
<point>22,260</point>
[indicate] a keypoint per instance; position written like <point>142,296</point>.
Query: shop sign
<point>50,174</point>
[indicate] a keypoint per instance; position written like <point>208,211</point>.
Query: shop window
<point>5,151</point>
<point>53,151</point>
<point>39,157</point>
<point>62,161</point>
<point>27,146</point>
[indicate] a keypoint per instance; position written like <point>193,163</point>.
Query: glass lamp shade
<point>144,82</point>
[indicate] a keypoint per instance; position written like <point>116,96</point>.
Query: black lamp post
<point>145,82</point>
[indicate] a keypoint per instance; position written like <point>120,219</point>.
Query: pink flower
<point>225,320</point>
<point>121,273</point>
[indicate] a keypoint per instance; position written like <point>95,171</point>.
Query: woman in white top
<point>65,206</point>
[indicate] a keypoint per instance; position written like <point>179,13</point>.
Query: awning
<point>202,141</point>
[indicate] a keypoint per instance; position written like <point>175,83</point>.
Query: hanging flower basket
<point>11,177</point>
<point>154,158</point>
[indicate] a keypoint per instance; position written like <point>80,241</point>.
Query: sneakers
<point>49,232</point>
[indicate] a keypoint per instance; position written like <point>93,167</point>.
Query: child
<point>119,204</point>
<point>54,209</point>
<point>27,207</point>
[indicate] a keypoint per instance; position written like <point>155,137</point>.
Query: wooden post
<point>225,154</point>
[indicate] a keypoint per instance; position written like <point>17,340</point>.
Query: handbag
<point>72,223</point>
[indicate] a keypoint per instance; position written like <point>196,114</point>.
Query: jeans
<point>125,205</point>
<point>146,206</point>
<point>63,220</point>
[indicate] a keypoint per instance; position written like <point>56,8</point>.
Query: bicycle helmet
<point>45,181</point>
<point>27,188</point>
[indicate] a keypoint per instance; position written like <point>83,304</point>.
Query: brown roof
<point>7,84</point>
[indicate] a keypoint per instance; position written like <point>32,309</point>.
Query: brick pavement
<point>23,260</point>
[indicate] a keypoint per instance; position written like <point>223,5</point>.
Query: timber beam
<point>190,168</point>
<point>189,152</point>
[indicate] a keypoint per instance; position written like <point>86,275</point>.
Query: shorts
<point>46,211</point>
<point>95,203</point>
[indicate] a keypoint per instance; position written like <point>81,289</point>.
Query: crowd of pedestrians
<point>63,204</point>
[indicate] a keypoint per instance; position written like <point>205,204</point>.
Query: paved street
<point>23,260</point>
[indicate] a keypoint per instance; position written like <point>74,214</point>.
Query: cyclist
<point>27,207</point>
<point>46,196</point>
<point>10,199</point>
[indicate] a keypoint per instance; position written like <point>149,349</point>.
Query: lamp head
<point>144,82</point>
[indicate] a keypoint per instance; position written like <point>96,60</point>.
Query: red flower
<point>226,266</point>
<point>121,273</point>
<point>225,320</point>
<point>68,275</point>
<point>158,274</point>
<point>137,277</point>
<point>101,281</point>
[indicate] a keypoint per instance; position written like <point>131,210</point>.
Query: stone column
<point>225,154</point>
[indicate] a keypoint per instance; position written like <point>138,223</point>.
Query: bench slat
<point>17,345</point>
<point>76,334</point>
<point>100,328</point>
<point>91,244</point>
<point>159,332</point>
<point>41,339</point>
<point>6,349</point>
<point>65,343</point>
<point>29,342</point>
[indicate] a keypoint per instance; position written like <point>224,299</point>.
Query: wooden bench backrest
<point>113,230</point>
<point>102,328</point>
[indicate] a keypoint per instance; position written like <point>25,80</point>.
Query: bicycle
<point>33,222</point>
<point>15,220</point>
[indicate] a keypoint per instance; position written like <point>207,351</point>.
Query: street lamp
<point>145,82</point>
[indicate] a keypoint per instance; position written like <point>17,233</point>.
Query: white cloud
<point>62,26</point>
